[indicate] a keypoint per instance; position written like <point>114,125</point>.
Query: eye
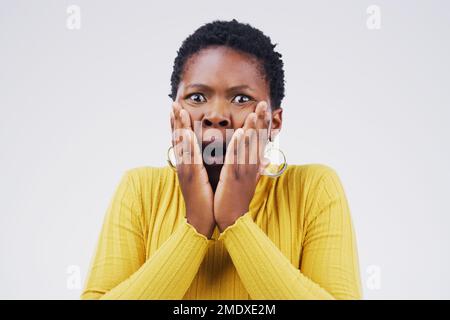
<point>196,97</point>
<point>242,98</point>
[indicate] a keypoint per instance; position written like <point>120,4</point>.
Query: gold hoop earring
<point>269,170</point>
<point>169,161</point>
<point>274,170</point>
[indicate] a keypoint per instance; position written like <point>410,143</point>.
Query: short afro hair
<point>239,36</point>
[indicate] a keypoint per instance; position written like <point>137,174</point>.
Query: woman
<point>226,227</point>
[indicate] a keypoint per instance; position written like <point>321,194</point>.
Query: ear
<point>277,122</point>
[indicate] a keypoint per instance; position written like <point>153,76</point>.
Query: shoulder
<point>143,177</point>
<point>318,187</point>
<point>312,174</point>
<point>313,182</point>
<point>143,172</point>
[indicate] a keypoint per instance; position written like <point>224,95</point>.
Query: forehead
<point>224,67</point>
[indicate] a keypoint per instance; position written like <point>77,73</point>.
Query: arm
<point>119,270</point>
<point>329,263</point>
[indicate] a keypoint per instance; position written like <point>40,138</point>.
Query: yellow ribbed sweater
<point>295,242</point>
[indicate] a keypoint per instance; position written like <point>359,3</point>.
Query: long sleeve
<point>329,266</point>
<point>119,270</point>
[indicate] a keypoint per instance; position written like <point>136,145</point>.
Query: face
<point>219,88</point>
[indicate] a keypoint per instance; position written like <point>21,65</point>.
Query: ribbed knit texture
<point>296,242</point>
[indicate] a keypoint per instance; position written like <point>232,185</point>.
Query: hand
<point>242,167</point>
<point>197,192</point>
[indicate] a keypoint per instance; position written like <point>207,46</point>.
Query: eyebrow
<point>207,88</point>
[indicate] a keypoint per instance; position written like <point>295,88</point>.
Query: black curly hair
<point>242,37</point>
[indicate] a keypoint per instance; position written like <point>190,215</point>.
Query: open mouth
<point>213,152</point>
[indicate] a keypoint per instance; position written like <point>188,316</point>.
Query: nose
<point>216,119</point>
<point>215,122</point>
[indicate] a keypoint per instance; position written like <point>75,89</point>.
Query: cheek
<point>238,117</point>
<point>195,114</point>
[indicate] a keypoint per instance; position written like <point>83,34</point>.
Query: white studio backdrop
<point>83,97</point>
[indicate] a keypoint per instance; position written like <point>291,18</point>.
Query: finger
<point>242,157</point>
<point>187,147</point>
<point>252,148</point>
<point>179,135</point>
<point>175,133</point>
<point>196,151</point>
<point>262,124</point>
<point>263,119</point>
<point>173,136</point>
<point>249,141</point>
<point>261,113</point>
<point>182,118</point>
<point>177,110</point>
<point>185,119</point>
<point>249,126</point>
<point>173,117</point>
<point>249,121</point>
<point>232,149</point>
<point>196,156</point>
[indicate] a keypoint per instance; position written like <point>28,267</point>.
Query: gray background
<point>79,107</point>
